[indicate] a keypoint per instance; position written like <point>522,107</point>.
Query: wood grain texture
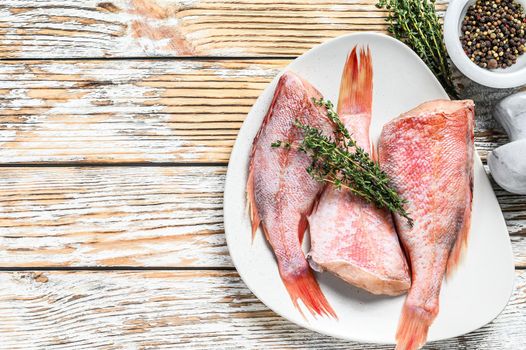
<point>158,111</point>
<point>131,28</point>
<point>194,309</point>
<point>135,216</point>
<point>138,111</point>
<point>112,216</point>
<point>126,111</point>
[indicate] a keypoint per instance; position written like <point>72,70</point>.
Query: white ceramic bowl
<point>497,78</point>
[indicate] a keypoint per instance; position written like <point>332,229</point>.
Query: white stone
<point>508,166</point>
<point>511,114</point>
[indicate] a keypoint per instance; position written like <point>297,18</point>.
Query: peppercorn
<point>493,33</point>
<point>492,63</point>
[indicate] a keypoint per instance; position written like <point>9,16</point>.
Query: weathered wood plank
<point>112,216</point>
<point>141,111</point>
<point>134,216</point>
<point>126,111</point>
<point>131,28</point>
<point>166,310</point>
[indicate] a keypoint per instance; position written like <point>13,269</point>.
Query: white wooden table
<point>116,124</point>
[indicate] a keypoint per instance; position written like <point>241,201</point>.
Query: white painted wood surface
<point>134,216</point>
<point>108,163</point>
<point>136,111</point>
<point>181,310</point>
<point>132,28</point>
<point>112,216</point>
<point>126,110</point>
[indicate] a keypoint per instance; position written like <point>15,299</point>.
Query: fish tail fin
<point>254,216</point>
<point>303,286</point>
<point>413,327</point>
<point>356,87</point>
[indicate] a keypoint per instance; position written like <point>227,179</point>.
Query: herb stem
<point>416,24</point>
<point>341,162</point>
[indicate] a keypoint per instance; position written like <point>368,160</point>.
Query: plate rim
<point>303,323</point>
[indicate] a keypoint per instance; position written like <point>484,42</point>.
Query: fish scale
<point>428,154</point>
<point>281,193</point>
<point>350,237</point>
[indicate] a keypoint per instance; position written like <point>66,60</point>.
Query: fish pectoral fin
<point>374,151</point>
<point>302,228</point>
<point>304,220</point>
<point>254,215</point>
<point>456,252</point>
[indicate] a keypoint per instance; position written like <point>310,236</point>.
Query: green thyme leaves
<point>416,24</point>
<point>339,161</point>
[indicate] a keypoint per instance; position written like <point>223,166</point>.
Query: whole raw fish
<point>280,191</point>
<point>428,154</point>
<point>349,236</point>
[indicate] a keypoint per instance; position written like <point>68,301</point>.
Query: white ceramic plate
<point>475,295</point>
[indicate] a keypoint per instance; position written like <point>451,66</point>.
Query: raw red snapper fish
<point>281,193</point>
<point>428,154</point>
<point>349,236</point>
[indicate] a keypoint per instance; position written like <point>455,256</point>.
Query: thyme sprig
<point>416,23</point>
<point>339,161</point>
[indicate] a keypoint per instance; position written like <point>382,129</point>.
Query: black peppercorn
<point>492,63</point>
<point>494,33</point>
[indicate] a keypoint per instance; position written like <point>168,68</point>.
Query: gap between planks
<point>148,58</point>
<point>118,268</point>
<point>141,112</point>
<point>167,310</point>
<point>132,268</point>
<point>154,216</point>
<point>124,28</point>
<point>102,164</point>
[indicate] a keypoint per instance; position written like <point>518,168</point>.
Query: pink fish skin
<point>350,237</point>
<point>428,154</point>
<point>281,193</point>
